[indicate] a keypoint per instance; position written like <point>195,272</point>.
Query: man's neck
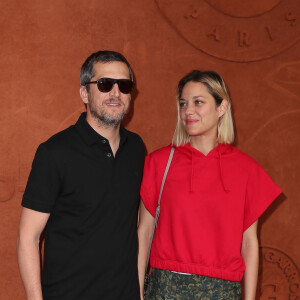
<point>111,133</point>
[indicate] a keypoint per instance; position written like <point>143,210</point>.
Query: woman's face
<point>198,110</point>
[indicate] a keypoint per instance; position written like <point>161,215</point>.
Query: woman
<point>206,236</point>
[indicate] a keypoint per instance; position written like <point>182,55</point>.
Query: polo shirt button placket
<point>107,154</point>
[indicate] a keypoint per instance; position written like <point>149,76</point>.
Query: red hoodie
<point>206,205</point>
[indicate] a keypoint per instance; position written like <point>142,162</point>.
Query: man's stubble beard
<point>104,118</point>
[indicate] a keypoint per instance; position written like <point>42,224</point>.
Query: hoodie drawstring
<point>221,173</point>
<point>225,188</point>
<point>192,173</point>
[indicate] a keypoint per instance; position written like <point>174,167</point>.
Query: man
<point>84,190</point>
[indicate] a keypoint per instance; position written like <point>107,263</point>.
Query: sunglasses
<point>105,85</point>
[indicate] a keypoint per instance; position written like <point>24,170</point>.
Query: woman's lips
<point>191,121</point>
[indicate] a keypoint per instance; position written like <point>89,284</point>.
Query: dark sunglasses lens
<point>105,85</point>
<point>125,86</point>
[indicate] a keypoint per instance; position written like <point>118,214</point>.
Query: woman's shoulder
<point>243,158</point>
<point>161,153</point>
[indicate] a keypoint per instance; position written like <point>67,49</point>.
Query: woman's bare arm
<point>249,252</point>
<point>145,230</point>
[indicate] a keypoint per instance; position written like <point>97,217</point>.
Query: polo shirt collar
<point>90,136</point>
<point>123,135</point>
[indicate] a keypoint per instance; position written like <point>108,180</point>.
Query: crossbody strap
<point>158,206</point>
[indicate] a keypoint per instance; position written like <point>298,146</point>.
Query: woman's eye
<point>198,102</point>
<point>182,104</point>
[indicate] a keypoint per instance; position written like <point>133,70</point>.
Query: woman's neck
<point>203,144</point>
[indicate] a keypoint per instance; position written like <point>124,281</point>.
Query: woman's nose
<point>190,109</point>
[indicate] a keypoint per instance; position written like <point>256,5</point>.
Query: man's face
<point>109,108</point>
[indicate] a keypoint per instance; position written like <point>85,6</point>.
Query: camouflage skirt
<point>167,285</point>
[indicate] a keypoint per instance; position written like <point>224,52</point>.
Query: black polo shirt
<point>90,249</point>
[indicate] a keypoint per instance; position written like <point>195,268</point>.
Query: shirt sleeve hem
<point>35,206</point>
<point>149,207</point>
<point>262,209</point>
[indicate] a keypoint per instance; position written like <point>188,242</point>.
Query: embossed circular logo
<point>244,31</point>
<point>279,276</point>
<point>7,188</point>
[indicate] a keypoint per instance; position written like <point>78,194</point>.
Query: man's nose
<point>115,90</point>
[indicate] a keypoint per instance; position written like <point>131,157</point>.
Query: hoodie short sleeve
<point>261,191</point>
<point>149,189</point>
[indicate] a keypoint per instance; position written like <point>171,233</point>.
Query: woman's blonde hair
<point>217,88</point>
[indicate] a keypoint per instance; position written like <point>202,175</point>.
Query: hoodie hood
<point>218,153</point>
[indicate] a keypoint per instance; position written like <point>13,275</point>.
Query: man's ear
<point>223,107</point>
<point>84,94</point>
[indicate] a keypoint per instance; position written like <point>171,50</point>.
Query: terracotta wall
<point>252,43</point>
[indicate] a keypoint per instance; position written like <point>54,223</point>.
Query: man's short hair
<point>105,56</point>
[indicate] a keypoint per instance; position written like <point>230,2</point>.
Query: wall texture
<point>253,44</point>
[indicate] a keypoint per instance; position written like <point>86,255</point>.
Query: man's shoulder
<point>60,140</point>
<point>133,137</point>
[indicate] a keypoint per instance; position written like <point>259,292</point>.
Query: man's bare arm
<point>32,224</point>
